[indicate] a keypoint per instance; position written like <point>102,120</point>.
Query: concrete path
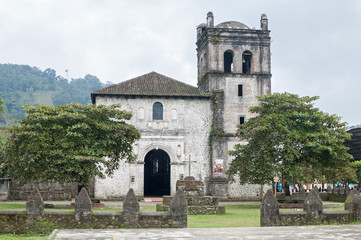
<point>257,233</point>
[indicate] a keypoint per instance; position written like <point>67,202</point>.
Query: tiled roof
<point>151,84</point>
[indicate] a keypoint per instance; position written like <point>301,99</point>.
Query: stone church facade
<point>187,130</point>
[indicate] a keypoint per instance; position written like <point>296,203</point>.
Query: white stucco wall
<point>183,134</point>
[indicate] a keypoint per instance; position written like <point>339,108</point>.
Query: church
<point>187,130</point>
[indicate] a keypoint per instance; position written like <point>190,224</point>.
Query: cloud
<point>315,44</point>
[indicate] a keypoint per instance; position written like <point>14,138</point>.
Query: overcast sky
<point>316,45</point>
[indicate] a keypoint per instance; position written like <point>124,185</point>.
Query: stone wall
<point>183,134</point>
<point>336,194</point>
<point>313,212</point>
<point>34,219</point>
<point>50,191</point>
<point>194,195</point>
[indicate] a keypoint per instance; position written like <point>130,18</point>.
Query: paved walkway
<point>257,233</point>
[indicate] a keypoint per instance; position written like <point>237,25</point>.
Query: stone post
<point>131,209</point>
<point>313,206</point>
<point>355,205</point>
<point>83,207</point>
<point>35,204</point>
<point>34,210</point>
<point>270,210</point>
<point>178,209</point>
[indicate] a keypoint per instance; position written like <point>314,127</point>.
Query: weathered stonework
<point>313,212</point>
<point>83,207</point>
<point>194,196</point>
<point>48,190</point>
<point>184,139</point>
<point>329,195</point>
<point>35,204</point>
<point>36,220</point>
<point>198,125</point>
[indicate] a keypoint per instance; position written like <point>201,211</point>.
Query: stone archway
<point>156,173</point>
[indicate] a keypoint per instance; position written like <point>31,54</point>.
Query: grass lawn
<point>22,236</point>
<point>236,216</point>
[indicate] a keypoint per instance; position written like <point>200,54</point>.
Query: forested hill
<point>22,84</point>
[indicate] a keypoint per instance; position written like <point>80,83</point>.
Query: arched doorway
<point>156,173</point>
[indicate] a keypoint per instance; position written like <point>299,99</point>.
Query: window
<point>228,61</point>
<point>157,111</point>
<point>241,120</point>
<point>240,90</point>
<point>246,62</point>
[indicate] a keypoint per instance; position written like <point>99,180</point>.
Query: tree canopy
<point>290,136</point>
<point>68,143</point>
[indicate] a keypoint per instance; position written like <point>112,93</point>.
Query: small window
<point>246,62</point>
<point>240,90</point>
<point>241,120</point>
<point>228,62</point>
<point>157,111</point>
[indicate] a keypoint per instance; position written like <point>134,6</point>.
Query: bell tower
<point>234,66</point>
<point>236,60</point>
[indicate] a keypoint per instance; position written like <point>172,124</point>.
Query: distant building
<point>355,143</point>
<point>188,130</point>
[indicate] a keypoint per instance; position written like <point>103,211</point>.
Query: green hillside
<point>22,84</point>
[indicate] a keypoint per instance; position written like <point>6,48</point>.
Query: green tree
<point>2,109</point>
<point>357,166</point>
<point>3,139</point>
<point>290,136</point>
<point>69,143</point>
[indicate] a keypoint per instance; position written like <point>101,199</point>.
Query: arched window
<point>228,61</point>
<point>246,62</point>
<point>157,111</point>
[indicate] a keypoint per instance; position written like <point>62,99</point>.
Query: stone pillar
<point>210,19</point>
<point>131,209</point>
<point>313,206</point>
<point>270,210</point>
<point>34,211</point>
<point>355,206</point>
<point>178,209</point>
<point>190,187</point>
<point>35,204</point>
<point>264,22</point>
<point>83,207</point>
<point>219,188</point>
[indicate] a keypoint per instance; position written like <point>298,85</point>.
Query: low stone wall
<point>194,195</point>
<point>337,194</point>
<point>312,213</point>
<point>50,191</point>
<point>196,205</point>
<point>34,219</point>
